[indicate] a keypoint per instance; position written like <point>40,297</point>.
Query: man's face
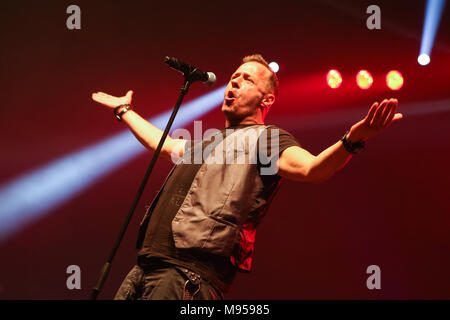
<point>245,91</point>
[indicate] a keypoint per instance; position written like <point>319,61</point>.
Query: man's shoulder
<point>282,136</point>
<point>275,128</point>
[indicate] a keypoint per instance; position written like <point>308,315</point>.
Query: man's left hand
<point>379,117</point>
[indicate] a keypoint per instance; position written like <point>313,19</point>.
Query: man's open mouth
<point>229,98</point>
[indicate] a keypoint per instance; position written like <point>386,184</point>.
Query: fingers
<point>371,112</point>
<point>104,95</point>
<point>112,101</point>
<point>390,107</point>
<point>376,121</point>
<point>96,96</point>
<point>103,98</point>
<point>385,116</point>
<point>390,115</point>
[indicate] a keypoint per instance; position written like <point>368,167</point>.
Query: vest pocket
<point>223,236</point>
<point>210,234</point>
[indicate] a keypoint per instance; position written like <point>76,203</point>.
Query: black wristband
<point>120,110</point>
<point>353,148</point>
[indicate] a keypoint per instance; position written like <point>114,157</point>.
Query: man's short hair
<point>273,80</point>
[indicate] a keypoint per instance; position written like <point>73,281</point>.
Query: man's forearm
<point>328,162</point>
<point>144,131</point>
<point>299,165</point>
<point>334,158</point>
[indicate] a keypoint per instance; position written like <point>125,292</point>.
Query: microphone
<point>191,72</point>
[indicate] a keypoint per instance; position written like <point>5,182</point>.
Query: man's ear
<point>268,101</point>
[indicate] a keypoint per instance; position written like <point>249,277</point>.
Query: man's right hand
<point>111,101</point>
<point>144,131</point>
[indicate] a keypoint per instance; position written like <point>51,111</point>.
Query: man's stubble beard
<point>232,117</point>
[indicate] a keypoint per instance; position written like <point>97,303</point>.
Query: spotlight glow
<point>423,59</point>
<point>394,80</point>
<point>433,13</point>
<point>30,196</point>
<point>364,79</point>
<point>274,66</point>
<point>334,79</point>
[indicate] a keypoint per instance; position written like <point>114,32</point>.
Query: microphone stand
<point>107,266</point>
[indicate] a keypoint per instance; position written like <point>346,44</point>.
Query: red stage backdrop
<point>388,207</point>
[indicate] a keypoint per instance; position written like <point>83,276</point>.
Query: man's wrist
<point>351,146</point>
<point>119,111</point>
<point>353,137</point>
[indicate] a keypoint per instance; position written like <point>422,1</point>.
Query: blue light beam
<point>433,13</point>
<point>26,198</point>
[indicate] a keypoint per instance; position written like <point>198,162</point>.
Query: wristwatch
<point>120,110</point>
<point>355,147</point>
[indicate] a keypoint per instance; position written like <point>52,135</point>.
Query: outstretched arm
<point>298,164</point>
<point>144,131</point>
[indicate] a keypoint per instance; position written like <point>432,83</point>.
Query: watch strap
<point>119,111</point>
<point>352,147</point>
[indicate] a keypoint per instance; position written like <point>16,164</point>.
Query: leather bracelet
<point>119,111</point>
<point>353,148</point>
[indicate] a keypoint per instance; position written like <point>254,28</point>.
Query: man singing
<point>200,228</point>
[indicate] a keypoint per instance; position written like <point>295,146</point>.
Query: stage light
<point>30,196</point>
<point>274,66</point>
<point>394,80</point>
<point>334,79</point>
<point>423,59</point>
<point>364,79</point>
<point>433,13</point>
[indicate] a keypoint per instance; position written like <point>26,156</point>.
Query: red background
<point>388,206</point>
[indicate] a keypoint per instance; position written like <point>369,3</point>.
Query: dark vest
<point>226,200</point>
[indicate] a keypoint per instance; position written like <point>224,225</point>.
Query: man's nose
<point>235,84</point>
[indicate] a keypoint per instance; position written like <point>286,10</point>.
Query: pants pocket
<point>130,287</point>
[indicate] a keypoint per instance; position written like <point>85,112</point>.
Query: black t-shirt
<point>158,244</point>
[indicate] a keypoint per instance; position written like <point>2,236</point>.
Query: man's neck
<point>229,123</point>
